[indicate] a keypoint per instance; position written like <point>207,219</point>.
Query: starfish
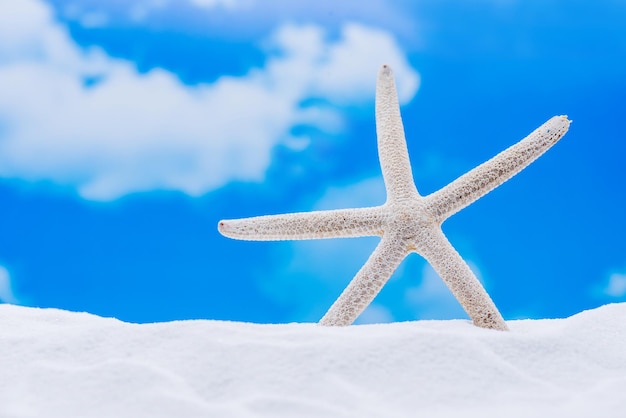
<point>407,222</point>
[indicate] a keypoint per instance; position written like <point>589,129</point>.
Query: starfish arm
<point>367,283</point>
<point>489,175</point>
<point>461,281</point>
<point>392,149</point>
<point>305,225</point>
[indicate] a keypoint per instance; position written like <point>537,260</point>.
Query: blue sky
<point>127,131</point>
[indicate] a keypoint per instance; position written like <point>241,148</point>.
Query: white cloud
<point>130,132</point>
<point>432,299</point>
<point>366,193</point>
<point>210,4</point>
<point>141,10</point>
<point>616,286</point>
<point>6,293</point>
<point>347,75</point>
<point>375,314</point>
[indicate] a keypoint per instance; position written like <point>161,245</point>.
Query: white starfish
<point>407,222</point>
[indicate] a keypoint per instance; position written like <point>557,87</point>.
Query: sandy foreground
<point>63,364</point>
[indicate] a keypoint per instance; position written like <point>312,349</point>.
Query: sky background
<point>129,129</point>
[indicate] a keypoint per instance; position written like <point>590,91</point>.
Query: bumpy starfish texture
<point>407,222</point>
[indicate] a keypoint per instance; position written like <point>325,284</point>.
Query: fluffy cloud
<point>80,118</point>
<point>6,293</point>
<point>216,3</point>
<point>432,299</point>
<point>616,286</point>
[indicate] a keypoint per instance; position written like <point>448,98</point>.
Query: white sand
<point>62,364</point>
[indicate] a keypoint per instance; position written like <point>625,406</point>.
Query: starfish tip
<point>386,70</point>
<point>563,118</point>
<point>222,227</point>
